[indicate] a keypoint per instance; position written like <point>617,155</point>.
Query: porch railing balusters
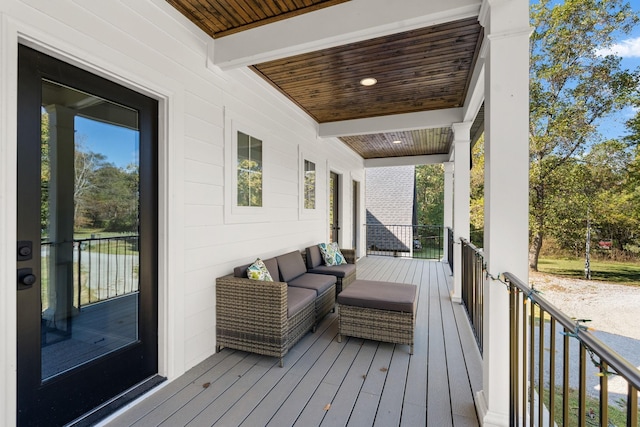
<point>589,349</point>
<point>472,292</point>
<point>104,268</point>
<point>450,245</point>
<point>411,240</point>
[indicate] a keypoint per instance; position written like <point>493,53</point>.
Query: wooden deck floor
<point>326,383</point>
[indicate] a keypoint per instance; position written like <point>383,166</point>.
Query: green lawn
<point>618,272</point>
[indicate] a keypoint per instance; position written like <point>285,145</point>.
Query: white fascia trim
<point>392,123</point>
<point>341,24</point>
<point>406,161</point>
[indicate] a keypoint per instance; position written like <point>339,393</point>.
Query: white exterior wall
<point>147,45</point>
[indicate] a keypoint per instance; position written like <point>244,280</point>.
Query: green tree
<point>112,203</point>
<point>430,194</point>
<point>249,183</point>
<point>476,193</point>
<point>614,213</point>
<point>85,164</point>
<point>45,171</point>
<point>572,87</point>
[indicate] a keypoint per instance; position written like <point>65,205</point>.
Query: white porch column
<point>461,184</point>
<point>507,32</point>
<point>448,206</point>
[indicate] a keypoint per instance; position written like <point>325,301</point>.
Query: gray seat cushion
<point>298,298</point>
<point>317,282</point>
<point>342,270</point>
<point>272,266</point>
<point>291,265</point>
<point>314,257</point>
<point>380,295</point>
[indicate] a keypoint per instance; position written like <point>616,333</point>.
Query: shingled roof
<point>390,205</point>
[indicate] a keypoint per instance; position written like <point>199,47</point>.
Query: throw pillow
<point>331,254</point>
<point>259,271</point>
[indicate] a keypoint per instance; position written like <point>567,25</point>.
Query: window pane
<point>249,170</point>
<point>256,152</point>
<point>309,185</point>
<point>243,147</point>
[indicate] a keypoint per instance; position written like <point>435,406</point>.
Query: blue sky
<point>118,144</point>
<point>628,47</point>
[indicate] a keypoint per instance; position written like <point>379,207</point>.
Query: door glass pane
<point>89,227</point>
<point>333,207</point>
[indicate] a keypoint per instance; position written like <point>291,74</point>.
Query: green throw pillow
<point>259,271</point>
<point>331,254</point>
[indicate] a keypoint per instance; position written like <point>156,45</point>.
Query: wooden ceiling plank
<point>374,67</point>
<point>195,15</point>
<point>338,54</point>
<point>269,20</point>
<point>245,10</point>
<point>408,39</point>
<point>386,74</point>
<point>446,84</point>
<point>264,9</point>
<point>224,14</point>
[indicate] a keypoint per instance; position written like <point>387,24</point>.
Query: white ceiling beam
<point>406,161</point>
<point>348,22</point>
<point>391,123</point>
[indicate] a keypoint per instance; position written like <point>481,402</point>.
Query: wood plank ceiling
<point>419,70</point>
<point>220,18</point>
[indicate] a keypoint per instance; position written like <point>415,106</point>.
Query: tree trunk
<point>534,251</point>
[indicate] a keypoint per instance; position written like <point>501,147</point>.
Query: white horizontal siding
<point>147,45</point>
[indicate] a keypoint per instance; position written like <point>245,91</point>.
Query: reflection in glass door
<point>89,227</point>
<point>334,209</point>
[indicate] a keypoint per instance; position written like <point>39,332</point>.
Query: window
<point>309,185</point>
<point>249,169</point>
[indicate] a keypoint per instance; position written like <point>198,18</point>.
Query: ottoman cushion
<point>380,295</point>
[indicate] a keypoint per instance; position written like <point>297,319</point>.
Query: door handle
<point>26,278</point>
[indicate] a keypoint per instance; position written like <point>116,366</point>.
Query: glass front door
<point>334,209</point>
<point>87,316</point>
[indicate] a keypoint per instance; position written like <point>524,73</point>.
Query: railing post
<point>461,184</point>
<point>448,210</point>
<point>79,274</point>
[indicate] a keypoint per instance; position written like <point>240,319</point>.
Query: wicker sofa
<point>345,273</point>
<point>270,317</point>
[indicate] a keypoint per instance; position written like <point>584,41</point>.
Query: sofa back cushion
<point>291,265</point>
<point>314,257</point>
<point>272,266</point>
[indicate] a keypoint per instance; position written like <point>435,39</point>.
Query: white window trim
<point>316,212</point>
<point>234,214</point>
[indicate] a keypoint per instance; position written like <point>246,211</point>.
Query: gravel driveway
<point>614,311</point>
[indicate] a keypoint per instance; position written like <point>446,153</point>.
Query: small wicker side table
<point>380,311</point>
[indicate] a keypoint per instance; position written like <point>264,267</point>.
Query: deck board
<point>438,392</point>
<point>356,382</point>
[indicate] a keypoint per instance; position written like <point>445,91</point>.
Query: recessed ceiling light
<point>369,81</point>
<point>397,141</point>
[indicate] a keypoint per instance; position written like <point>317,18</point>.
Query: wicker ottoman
<point>380,311</point>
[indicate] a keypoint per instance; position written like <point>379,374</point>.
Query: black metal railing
<point>103,268</point>
<point>413,241</point>
<point>450,245</point>
<point>472,291</point>
<point>554,361</point>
